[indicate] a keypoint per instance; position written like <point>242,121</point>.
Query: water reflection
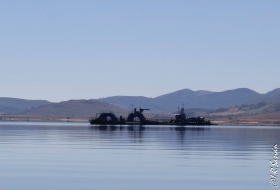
<point>207,139</point>
<point>219,138</point>
<point>135,157</point>
<point>142,128</point>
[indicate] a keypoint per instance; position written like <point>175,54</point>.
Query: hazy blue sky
<point>60,50</point>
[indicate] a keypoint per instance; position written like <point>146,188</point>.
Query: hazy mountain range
<point>192,100</point>
<point>195,99</point>
<point>12,105</point>
<point>74,109</point>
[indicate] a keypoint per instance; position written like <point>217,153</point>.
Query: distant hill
<point>129,102</point>
<point>206,99</point>
<point>191,99</point>
<point>271,97</point>
<point>13,105</point>
<point>195,102</point>
<point>247,109</point>
<point>74,109</point>
<point>266,108</point>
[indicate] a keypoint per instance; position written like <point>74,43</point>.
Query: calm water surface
<point>79,156</point>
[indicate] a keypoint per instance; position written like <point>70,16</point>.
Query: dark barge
<point>105,118</point>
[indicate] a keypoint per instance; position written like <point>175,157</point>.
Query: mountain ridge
<point>169,102</point>
<point>191,99</point>
<point>73,109</point>
<point>13,105</point>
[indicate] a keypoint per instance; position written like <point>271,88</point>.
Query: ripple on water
<point>79,156</point>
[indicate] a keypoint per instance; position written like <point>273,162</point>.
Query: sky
<point>58,50</point>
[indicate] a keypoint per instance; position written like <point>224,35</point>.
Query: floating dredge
<point>180,119</point>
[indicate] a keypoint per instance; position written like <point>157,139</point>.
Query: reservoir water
<point>72,156</point>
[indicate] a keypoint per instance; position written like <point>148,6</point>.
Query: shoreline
<point>222,122</point>
<point>249,120</point>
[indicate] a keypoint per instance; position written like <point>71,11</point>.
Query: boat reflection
<point>143,127</point>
